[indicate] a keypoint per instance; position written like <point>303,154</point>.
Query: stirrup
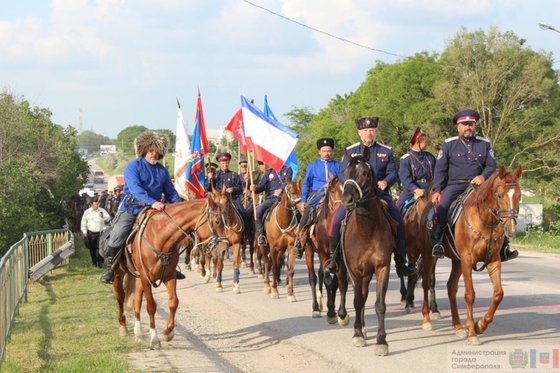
<point>438,251</point>
<point>331,266</point>
<point>108,276</point>
<point>508,254</point>
<point>261,240</point>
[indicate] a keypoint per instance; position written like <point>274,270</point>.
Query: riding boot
<point>437,249</point>
<point>334,248</point>
<point>108,276</point>
<point>259,231</point>
<point>298,247</point>
<point>505,252</point>
<point>404,268</point>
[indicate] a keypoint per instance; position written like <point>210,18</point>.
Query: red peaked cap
<point>223,157</point>
<point>417,133</point>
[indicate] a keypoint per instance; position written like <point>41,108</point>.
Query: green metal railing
<point>14,273</point>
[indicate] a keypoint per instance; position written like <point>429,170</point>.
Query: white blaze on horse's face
<point>511,224</point>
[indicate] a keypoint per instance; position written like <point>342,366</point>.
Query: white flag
<point>182,154</point>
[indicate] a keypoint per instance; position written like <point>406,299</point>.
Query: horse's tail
<point>129,286</point>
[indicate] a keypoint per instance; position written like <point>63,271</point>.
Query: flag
<point>182,154</point>
<point>292,159</point>
<point>195,167</point>
<point>271,141</point>
<point>236,128</point>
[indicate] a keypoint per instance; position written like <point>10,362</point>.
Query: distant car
<point>98,176</point>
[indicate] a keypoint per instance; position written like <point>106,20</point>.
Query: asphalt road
<point>250,332</point>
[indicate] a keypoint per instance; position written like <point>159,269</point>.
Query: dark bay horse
<point>318,242</point>
<point>154,257</point>
<point>280,231</point>
<point>367,243</point>
<point>488,215</point>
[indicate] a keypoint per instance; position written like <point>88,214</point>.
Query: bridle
<point>363,192</point>
<point>293,202</point>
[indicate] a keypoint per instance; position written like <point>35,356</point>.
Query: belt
<point>92,232</point>
<point>423,180</point>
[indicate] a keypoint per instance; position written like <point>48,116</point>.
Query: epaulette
<point>353,145</point>
<point>452,139</point>
<point>405,156</point>
<point>482,138</point>
<point>385,146</point>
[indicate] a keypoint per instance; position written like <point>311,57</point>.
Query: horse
<point>317,241</point>
<point>418,239</point>
<point>154,255</point>
<point>367,246</point>
<point>488,215</point>
<point>280,230</point>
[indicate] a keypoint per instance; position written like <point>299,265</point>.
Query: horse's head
<point>292,194</point>
<point>217,222</point>
<point>507,193</point>
<point>360,180</point>
<point>334,191</point>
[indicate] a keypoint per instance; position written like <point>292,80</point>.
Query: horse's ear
<point>366,153</point>
<point>502,172</point>
<point>331,176</point>
<point>519,171</point>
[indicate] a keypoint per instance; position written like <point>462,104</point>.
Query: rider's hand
<point>158,206</point>
<point>418,193</point>
<point>478,180</point>
<point>277,192</point>
<point>382,184</point>
<point>436,197</point>
<point>253,188</point>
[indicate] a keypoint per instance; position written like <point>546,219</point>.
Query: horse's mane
<point>485,190</point>
<point>355,158</point>
<point>325,208</point>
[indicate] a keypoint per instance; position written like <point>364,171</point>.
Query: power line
<point>322,32</point>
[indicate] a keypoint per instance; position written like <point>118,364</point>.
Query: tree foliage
<point>39,169</point>
<point>92,141</point>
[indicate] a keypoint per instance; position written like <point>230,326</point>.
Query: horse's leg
<point>343,318</point>
<point>361,290</point>
<point>218,272</point>
<point>275,259</point>
<point>428,267</point>
<point>470,296</point>
<point>452,288</point>
<point>436,315</point>
<point>312,277</point>
<point>290,274</point>
<point>119,294</point>
<point>173,303</point>
<point>137,304</point>
<point>403,292</point>
<point>267,263</point>
<point>236,252</point>
<point>382,284</point>
<point>151,307</point>
<point>251,257</point>
<point>495,273</point>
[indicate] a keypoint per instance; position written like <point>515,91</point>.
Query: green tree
<point>125,138</point>
<point>91,141</point>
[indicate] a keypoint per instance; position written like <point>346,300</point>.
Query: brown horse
<point>280,231</point>
<point>418,243</point>
<point>317,241</point>
<point>367,244</point>
<point>488,215</point>
<point>154,257</point>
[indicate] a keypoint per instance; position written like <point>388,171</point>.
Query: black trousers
<point>93,245</point>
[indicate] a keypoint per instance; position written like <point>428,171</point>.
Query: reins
<point>293,203</point>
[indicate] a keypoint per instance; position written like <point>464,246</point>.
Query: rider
<point>385,168</point>
<point>416,169</point>
<point>226,178</point>
<point>146,181</point>
<point>462,160</point>
<point>273,183</point>
<point>314,184</point>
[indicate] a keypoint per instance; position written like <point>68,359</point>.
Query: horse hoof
<point>243,264</point>
<point>168,337</point>
<point>206,279</point>
<point>316,314</point>
<point>359,341</point>
<point>461,333</point>
<point>409,310</point>
<point>345,321</point>
<point>197,268</point>
<point>219,289</point>
<point>260,276</point>
<point>403,303</point>
<point>477,329</point>
<point>266,290</point>
<point>236,289</point>
<point>381,350</point>
<point>274,295</point>
<point>123,332</point>
<point>292,298</point>
<point>436,315</point>
<point>332,320</point>
<point>155,345</point>
<point>474,341</point>
<point>251,272</point>
<point>427,326</point>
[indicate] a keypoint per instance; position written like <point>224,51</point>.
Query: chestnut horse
<point>318,242</point>
<point>367,243</point>
<point>488,215</point>
<point>280,231</point>
<point>419,244</point>
<point>154,257</point>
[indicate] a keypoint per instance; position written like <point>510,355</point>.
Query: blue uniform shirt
<point>381,160</point>
<point>317,176</point>
<point>416,168</point>
<point>229,179</point>
<point>146,183</point>
<point>272,180</point>
<point>457,165</point>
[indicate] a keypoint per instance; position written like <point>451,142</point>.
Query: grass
<point>69,324</point>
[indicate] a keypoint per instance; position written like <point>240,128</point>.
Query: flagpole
<point>253,195</point>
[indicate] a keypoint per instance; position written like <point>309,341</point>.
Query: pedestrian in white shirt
<point>93,222</point>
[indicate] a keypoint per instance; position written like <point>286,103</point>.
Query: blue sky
<point>123,62</point>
